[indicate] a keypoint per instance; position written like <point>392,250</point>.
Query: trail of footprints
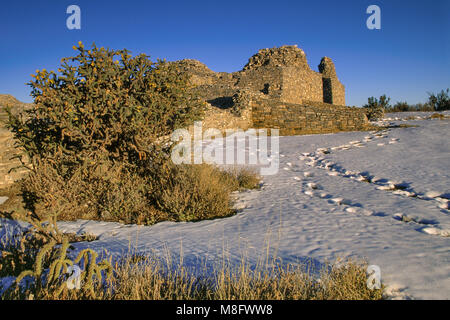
<point>317,160</point>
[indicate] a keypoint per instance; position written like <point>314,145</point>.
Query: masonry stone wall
<point>223,119</point>
<point>308,118</point>
<point>280,73</point>
<point>267,80</point>
<point>276,89</point>
<point>9,165</point>
<point>297,90</point>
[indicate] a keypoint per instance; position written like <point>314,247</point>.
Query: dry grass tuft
<point>146,278</point>
<point>439,116</point>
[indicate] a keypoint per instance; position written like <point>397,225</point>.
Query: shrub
<point>100,107</point>
<point>437,116</point>
<point>98,134</point>
<point>177,193</point>
<point>246,178</point>
<point>98,191</point>
<point>375,108</point>
<point>440,101</point>
<point>195,192</point>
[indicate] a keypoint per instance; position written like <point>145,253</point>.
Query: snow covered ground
<point>382,196</point>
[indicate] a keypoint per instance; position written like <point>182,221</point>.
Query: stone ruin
<point>277,89</point>
<point>279,73</point>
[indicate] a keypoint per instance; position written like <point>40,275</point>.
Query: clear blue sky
<point>409,56</point>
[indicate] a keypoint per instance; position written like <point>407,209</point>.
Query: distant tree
<point>440,101</point>
<point>401,106</point>
<point>422,107</point>
<point>375,108</point>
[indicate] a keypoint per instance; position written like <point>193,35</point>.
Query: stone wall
<point>276,89</point>
<point>333,89</point>
<point>311,117</point>
<point>267,80</point>
<point>280,73</point>
<point>8,151</point>
<point>296,89</point>
<point>224,119</point>
<point>308,118</point>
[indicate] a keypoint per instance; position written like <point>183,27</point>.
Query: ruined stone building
<point>276,89</point>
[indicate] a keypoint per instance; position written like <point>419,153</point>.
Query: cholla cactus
<point>54,282</point>
<point>92,270</point>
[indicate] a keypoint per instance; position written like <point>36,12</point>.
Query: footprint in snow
<point>428,230</point>
<point>433,194</point>
<point>317,193</point>
<point>340,201</point>
<point>313,186</point>
<point>444,205</point>
<point>389,187</point>
<point>404,193</point>
<point>436,231</point>
<point>406,218</point>
<point>323,150</point>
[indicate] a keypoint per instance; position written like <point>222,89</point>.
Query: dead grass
<point>246,178</point>
<point>149,278</point>
<point>439,116</point>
